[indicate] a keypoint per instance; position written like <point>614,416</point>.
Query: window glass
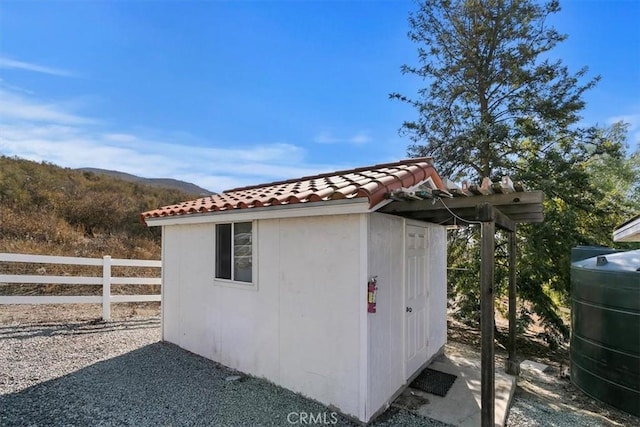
<point>242,252</point>
<point>223,251</point>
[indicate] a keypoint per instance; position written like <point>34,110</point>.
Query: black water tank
<point>605,328</point>
<point>583,252</point>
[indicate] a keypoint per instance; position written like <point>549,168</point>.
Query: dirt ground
<point>554,388</point>
<point>45,313</point>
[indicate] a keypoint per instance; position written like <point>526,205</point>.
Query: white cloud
<point>632,119</point>
<point>120,137</point>
<point>45,131</point>
<point>8,63</point>
<point>17,106</point>
<point>360,138</point>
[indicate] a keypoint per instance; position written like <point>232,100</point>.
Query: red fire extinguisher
<point>372,289</point>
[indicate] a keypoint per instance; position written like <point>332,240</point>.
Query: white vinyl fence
<point>106,280</point>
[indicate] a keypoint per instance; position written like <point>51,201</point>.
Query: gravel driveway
<point>83,373</point>
<point>118,374</point>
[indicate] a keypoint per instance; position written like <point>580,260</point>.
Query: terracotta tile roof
<point>371,182</point>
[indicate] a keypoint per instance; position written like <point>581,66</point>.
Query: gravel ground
<point>118,374</point>
<point>79,373</point>
<point>529,413</point>
<point>545,399</point>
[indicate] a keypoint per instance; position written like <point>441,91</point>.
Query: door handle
<point>409,309</point>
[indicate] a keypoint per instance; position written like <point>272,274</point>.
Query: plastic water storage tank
<point>583,252</point>
<point>605,328</point>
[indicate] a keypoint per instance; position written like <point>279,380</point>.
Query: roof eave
<point>330,207</point>
<point>628,232</point>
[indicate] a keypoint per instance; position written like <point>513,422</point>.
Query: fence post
<point>106,287</point>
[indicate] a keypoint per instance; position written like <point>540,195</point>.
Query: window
<point>234,251</point>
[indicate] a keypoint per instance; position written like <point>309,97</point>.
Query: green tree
<point>590,185</point>
<point>491,86</point>
<point>496,104</point>
<point>590,188</point>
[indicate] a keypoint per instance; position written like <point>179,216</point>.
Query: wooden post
<point>106,287</point>
<point>487,369</point>
<point>512,366</point>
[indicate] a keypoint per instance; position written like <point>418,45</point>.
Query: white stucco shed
<point>272,280</point>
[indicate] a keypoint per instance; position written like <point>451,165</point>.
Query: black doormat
<point>434,382</point>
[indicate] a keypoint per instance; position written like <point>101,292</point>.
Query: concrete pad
<point>461,405</point>
<point>530,365</point>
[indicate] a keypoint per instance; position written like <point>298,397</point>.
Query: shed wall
<point>299,328</point>
<point>386,346</point>
<point>386,326</point>
<point>437,275</point>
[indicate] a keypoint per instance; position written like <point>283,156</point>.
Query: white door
<point>415,298</point>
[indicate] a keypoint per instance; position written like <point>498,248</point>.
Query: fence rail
<point>106,280</point>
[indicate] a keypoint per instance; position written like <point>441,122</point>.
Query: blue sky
<point>229,93</point>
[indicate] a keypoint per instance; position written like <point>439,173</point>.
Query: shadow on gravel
<point>76,328</point>
<point>161,384</point>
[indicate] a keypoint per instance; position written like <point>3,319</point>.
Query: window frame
<point>253,284</point>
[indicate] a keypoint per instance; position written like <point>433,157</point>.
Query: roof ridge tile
<point>371,182</point>
<point>339,172</point>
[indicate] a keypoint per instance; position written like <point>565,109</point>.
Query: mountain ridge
<point>176,184</point>
<point>51,210</point>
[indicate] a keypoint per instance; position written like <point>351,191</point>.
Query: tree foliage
<point>490,85</point>
<point>590,187</point>
<point>495,103</point>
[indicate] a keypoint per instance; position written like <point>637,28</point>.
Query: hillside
<point>175,184</point>
<point>46,209</point>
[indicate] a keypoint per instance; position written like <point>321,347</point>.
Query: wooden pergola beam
<point>513,208</point>
<point>503,200</point>
<point>479,213</point>
<point>531,214</point>
<point>487,356</point>
<point>512,366</point>
<point>487,213</point>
